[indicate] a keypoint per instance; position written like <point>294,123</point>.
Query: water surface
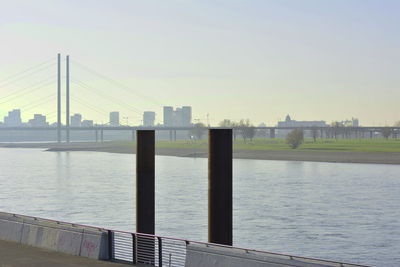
<point>338,211</point>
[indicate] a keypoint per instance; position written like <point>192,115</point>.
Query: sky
<point>230,59</point>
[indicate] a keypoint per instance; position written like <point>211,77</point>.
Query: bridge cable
<point>118,84</point>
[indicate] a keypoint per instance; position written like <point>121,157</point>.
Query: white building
<point>350,123</point>
<point>293,123</point>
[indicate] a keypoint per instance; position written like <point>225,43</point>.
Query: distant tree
<point>314,133</point>
<point>226,123</point>
<point>235,130</point>
<point>230,124</point>
<point>336,129</point>
<point>198,130</point>
<point>246,129</point>
<point>295,138</point>
<point>386,132</point>
<point>250,132</point>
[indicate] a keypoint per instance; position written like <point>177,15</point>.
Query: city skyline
<point>181,116</point>
<point>325,61</point>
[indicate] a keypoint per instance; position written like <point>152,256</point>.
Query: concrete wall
<point>198,255</point>
<point>62,237</point>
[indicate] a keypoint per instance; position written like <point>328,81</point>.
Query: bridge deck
<point>17,254</point>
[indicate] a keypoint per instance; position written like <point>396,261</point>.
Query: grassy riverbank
<point>327,150</point>
<point>340,145</point>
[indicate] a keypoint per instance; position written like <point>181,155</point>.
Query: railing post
<point>134,249</point>
<point>110,245</point>
<point>145,191</point>
<point>97,135</point>
<point>159,251</point>
<point>220,186</point>
<point>101,136</point>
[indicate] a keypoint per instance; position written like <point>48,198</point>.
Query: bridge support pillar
<point>220,186</point>
<point>272,133</point>
<point>145,192</point>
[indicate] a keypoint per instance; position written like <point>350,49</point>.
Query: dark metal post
<point>370,134</point>
<point>67,103</point>
<point>134,249</point>
<point>97,135</point>
<point>159,251</point>
<point>220,186</point>
<point>174,135</point>
<point>59,98</point>
<point>101,136</point>
<point>170,135</point>
<point>145,191</point>
<point>110,245</point>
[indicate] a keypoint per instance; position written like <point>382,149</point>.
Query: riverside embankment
<point>346,156</point>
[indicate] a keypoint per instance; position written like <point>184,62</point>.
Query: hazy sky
<point>312,59</point>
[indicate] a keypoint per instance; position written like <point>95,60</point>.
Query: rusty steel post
<point>220,189</point>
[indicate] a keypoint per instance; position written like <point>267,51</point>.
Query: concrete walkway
<point>14,254</point>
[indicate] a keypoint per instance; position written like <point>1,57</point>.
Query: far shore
<point>291,155</point>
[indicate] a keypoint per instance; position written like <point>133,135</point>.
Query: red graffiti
<point>89,246</point>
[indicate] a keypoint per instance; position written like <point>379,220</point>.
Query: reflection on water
<point>335,211</point>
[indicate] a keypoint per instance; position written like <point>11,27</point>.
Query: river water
<point>337,211</point>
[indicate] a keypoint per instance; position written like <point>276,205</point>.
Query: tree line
<point>243,128</point>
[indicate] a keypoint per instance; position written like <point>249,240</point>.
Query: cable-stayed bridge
<point>45,91</point>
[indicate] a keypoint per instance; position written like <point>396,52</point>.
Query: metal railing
<point>163,251</point>
<point>147,249</point>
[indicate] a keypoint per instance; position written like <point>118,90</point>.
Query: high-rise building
<point>76,120</point>
<point>186,116</point>
<point>38,120</point>
<point>114,118</point>
<point>168,116</point>
<point>149,118</point>
<point>13,119</point>
<point>179,117</point>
